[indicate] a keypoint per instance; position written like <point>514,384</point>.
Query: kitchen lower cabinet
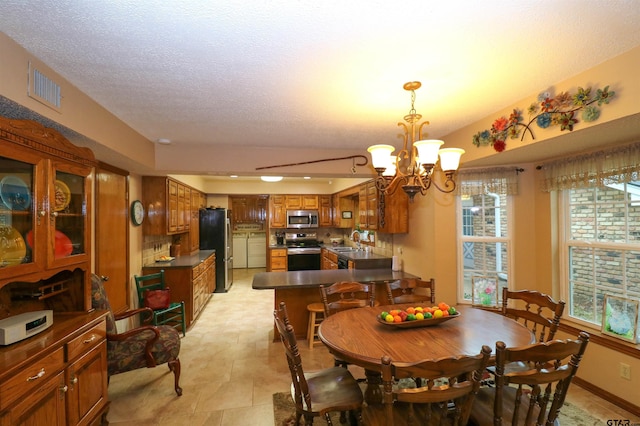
<point>58,377</point>
<point>278,260</point>
<point>192,284</point>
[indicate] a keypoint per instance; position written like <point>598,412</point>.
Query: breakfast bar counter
<point>299,288</point>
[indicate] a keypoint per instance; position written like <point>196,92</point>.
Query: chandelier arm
<point>424,123</point>
<point>405,137</point>
<point>448,182</point>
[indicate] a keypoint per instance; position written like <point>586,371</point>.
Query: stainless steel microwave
<point>302,219</point>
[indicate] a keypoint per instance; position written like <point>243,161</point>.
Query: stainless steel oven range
<point>303,251</point>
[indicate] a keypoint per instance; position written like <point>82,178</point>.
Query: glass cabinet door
<point>18,206</point>
<point>68,212</point>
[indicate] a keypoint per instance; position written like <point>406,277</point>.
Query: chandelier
<point>413,167</point>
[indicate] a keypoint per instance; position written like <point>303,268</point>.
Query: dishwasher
<point>257,250</point>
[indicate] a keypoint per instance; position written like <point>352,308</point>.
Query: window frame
<point>564,245</point>
<point>507,239</point>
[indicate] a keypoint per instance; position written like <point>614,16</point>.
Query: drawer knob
<point>64,389</point>
<point>74,380</point>
<point>89,340</point>
<point>37,376</point>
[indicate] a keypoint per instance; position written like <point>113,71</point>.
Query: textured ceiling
<point>323,74</point>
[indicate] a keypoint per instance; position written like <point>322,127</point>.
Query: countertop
<point>184,261</point>
<point>351,255</point>
<point>313,279</point>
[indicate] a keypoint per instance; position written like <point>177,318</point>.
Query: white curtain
<point>499,180</point>
<point>616,165</point>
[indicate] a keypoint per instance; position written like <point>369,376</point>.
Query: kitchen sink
<point>344,249</point>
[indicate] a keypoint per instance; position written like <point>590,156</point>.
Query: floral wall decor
<point>564,110</point>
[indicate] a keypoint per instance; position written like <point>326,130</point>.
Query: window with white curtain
<point>484,229</point>
<point>599,219</point>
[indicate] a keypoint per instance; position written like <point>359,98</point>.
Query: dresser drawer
<point>30,378</point>
<point>86,340</point>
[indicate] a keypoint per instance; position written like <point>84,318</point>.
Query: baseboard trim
<point>607,396</point>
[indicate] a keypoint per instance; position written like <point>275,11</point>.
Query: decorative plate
<point>63,246</point>
<point>15,193</point>
<point>12,249</point>
<point>62,196</point>
<point>418,323</point>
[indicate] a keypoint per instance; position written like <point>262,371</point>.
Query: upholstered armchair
<point>142,347</point>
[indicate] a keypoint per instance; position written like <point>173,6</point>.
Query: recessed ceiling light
<point>271,178</point>
<point>233,176</point>
<point>307,177</point>
<point>164,141</point>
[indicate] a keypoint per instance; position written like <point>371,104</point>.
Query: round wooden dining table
<point>356,336</point>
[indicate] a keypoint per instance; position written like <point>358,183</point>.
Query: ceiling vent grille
<point>43,89</point>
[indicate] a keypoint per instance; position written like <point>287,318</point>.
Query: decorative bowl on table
<point>418,323</point>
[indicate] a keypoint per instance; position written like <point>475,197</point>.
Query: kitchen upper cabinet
<point>325,218</point>
<point>301,202</point>
<point>168,206</point>
<point>277,211</point>
<point>396,213</point>
<point>373,206</point>
<point>249,208</point>
<point>197,203</point>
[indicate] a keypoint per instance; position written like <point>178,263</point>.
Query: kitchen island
<point>299,288</point>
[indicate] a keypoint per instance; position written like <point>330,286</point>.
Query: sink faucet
<point>355,236</point>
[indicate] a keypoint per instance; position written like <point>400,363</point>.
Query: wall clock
<point>137,212</point>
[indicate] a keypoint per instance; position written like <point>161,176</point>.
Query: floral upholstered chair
<point>141,347</point>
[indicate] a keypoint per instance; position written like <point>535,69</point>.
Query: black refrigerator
<point>215,234</point>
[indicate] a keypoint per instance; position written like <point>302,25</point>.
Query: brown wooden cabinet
<point>277,212</point>
<point>396,213</point>
<point>396,209</point>
<point>168,206</point>
<point>325,218</point>
<point>45,220</point>
<point>58,377</point>
<point>249,208</point>
<point>194,228</point>
<point>192,284</point>
<point>301,202</point>
<point>278,260</point>
<point>329,259</point>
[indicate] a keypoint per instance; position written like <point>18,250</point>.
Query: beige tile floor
<point>231,367</point>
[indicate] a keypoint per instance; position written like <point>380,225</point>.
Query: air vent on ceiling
<point>43,89</point>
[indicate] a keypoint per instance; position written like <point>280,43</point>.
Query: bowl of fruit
<point>418,316</point>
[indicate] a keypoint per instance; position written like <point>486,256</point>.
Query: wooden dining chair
<point>317,393</point>
<point>537,311</point>
<point>411,291</point>
<point>532,396</point>
<point>346,295</point>
<point>445,397</point>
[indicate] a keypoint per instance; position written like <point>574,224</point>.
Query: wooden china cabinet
<point>57,376</point>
